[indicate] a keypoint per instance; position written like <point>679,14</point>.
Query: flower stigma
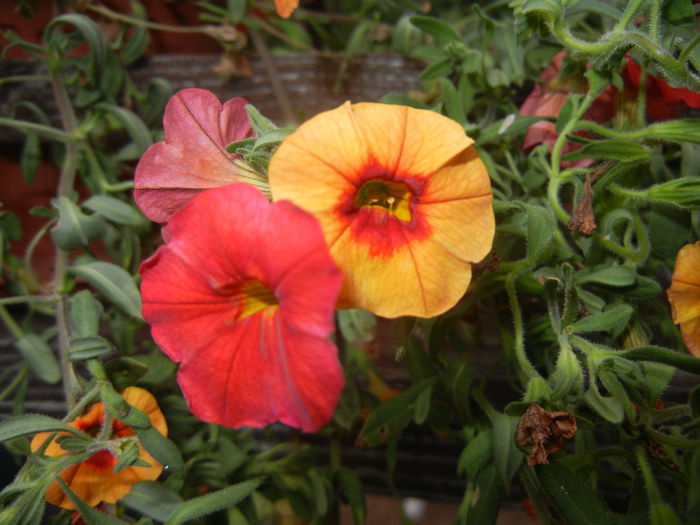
<point>393,197</point>
<point>254,296</point>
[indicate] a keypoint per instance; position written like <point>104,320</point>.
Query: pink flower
<point>242,295</point>
<point>193,156</point>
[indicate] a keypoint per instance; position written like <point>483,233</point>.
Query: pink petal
<point>193,156</point>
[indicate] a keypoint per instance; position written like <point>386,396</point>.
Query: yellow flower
<point>684,295</point>
<point>94,480</point>
<point>403,199</point>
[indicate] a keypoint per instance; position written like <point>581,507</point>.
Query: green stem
<point>145,23</point>
<point>654,17</point>
<point>519,334</point>
<point>39,129</point>
<point>630,11</point>
<point>20,299</point>
<point>689,48</point>
<point>15,382</point>
<point>658,354</point>
<point>280,92</point>
<point>24,78</point>
<point>10,323</point>
<point>29,253</point>
<point>628,192</point>
<point>65,188</point>
<point>85,400</point>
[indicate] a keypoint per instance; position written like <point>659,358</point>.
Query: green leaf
<point>438,29</point>
<point>161,448</point>
<point>237,9</point>
<point>213,501</point>
<point>402,99</point>
<point>114,283</point>
<point>571,497</point>
<point>31,157</point>
<point>607,407</point>
<point>125,371</point>
<point>33,424</point>
<point>134,126</point>
<point>603,321</point>
<point>138,41</point>
<point>422,406</point>
<point>614,149</point>
<point>272,137</point>
<point>506,456</point>
<point>617,276</point>
<point>485,504</point>
<point>476,455</point>
<point>115,210</point>
<point>350,485</point>
<point>74,228</point>
<point>540,229</point>
<point>443,68</point>
<point>152,499</point>
<point>88,347</point>
<point>391,417</point>
<point>90,514</point>
<point>92,33</point>
<point>260,124</point>
<point>357,325</point>
<point>549,9</point>
<point>40,358</point>
<point>85,314</point>
<point>511,126</point>
<point>452,100</point>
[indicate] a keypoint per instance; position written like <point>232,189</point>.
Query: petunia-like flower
<point>548,99</point>
<point>285,8</point>
<point>242,295</point>
<point>684,295</point>
<point>663,101</point>
<point>193,156</point>
<point>403,199</point>
<point>94,480</point>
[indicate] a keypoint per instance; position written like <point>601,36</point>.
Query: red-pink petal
<point>193,156</point>
<point>273,365</point>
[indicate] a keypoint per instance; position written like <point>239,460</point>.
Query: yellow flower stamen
<point>394,197</point>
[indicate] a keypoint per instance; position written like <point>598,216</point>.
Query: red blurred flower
<point>193,156</point>
<point>242,296</point>
<point>546,100</point>
<point>663,101</point>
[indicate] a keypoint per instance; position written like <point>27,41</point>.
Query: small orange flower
<point>403,199</point>
<point>94,480</point>
<point>286,7</point>
<point>684,295</point>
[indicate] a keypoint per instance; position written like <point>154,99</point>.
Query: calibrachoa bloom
<point>94,480</point>
<point>193,156</point>
<point>684,295</point>
<point>286,7</point>
<point>548,99</point>
<point>242,295</point>
<point>403,199</point>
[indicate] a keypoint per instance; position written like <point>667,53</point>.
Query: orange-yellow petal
<point>408,140</point>
<point>403,199</point>
<point>684,295</point>
<point>690,331</point>
<point>94,479</point>
<point>286,7</point>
